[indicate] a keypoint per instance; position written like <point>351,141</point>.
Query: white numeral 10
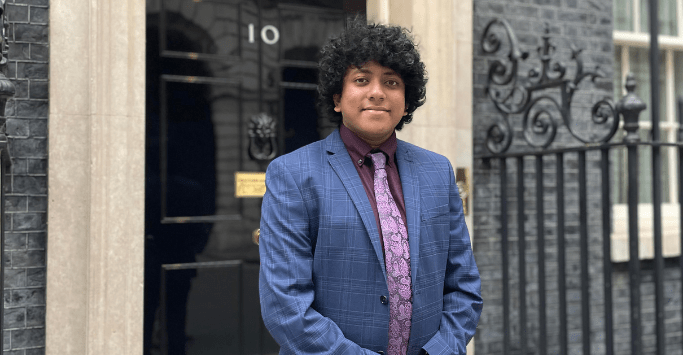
<point>268,38</point>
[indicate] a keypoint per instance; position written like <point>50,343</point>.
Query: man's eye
<point>392,82</point>
<point>360,80</point>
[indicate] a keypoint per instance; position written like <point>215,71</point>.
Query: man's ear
<point>336,100</point>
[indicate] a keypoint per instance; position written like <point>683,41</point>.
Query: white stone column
<point>95,257</point>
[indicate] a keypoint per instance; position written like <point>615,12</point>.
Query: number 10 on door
<point>269,34</point>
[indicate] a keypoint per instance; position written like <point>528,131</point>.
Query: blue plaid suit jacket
<point>322,279</point>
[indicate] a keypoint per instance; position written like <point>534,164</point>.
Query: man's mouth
<point>375,108</point>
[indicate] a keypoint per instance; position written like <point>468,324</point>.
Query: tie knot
<point>378,160</point>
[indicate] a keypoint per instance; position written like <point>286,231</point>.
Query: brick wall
<point>26,203</point>
<point>672,294</point>
<point>588,25</point>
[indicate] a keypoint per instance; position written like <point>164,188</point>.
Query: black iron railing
<point>542,113</point>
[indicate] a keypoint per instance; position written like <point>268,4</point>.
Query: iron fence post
<point>654,59</point>
<point>541,268</point>
<point>584,252</point>
<point>629,107</point>
<point>560,231</point>
<point>606,206</point>
<point>503,174</point>
<point>522,273</point>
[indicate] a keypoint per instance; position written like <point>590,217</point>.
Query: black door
<point>230,86</point>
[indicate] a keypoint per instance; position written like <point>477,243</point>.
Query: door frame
<point>94,301</point>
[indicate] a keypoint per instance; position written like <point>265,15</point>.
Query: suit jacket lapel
<point>408,174</point>
<point>342,164</point>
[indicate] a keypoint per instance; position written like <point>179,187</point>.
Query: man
<point>363,245</point>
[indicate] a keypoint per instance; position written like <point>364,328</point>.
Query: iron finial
<point>630,106</point>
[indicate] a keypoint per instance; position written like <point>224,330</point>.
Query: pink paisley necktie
<point>397,260</point>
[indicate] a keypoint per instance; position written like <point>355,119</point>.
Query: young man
<point>364,248</point>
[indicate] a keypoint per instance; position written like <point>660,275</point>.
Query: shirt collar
<point>358,149</point>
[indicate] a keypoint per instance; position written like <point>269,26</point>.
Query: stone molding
<point>96,177</point>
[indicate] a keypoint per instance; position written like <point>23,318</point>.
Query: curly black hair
<point>390,46</point>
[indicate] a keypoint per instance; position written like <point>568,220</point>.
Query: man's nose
<point>376,90</point>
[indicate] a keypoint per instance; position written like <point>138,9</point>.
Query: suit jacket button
<point>383,299</point>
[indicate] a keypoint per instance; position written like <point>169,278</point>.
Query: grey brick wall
<point>588,25</point>
<point>26,204</point>
<point>673,307</point>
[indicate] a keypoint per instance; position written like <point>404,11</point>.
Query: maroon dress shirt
<point>359,151</point>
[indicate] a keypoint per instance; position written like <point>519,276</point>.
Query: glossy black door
<point>230,85</point>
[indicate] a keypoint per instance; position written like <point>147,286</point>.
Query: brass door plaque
<point>250,184</point>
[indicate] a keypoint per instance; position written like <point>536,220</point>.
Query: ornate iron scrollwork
<point>539,109</point>
<point>262,137</point>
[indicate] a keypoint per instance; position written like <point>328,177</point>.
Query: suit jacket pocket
<point>435,212</point>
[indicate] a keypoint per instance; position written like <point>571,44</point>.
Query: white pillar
<point>96,177</point>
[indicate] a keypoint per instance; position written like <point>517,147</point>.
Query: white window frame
<point>624,40</point>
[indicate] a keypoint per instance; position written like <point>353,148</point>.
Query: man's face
<point>372,102</point>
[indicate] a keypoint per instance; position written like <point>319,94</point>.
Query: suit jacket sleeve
<point>462,302</point>
<point>285,277</point>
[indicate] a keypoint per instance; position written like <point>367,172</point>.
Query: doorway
<point>231,84</point>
